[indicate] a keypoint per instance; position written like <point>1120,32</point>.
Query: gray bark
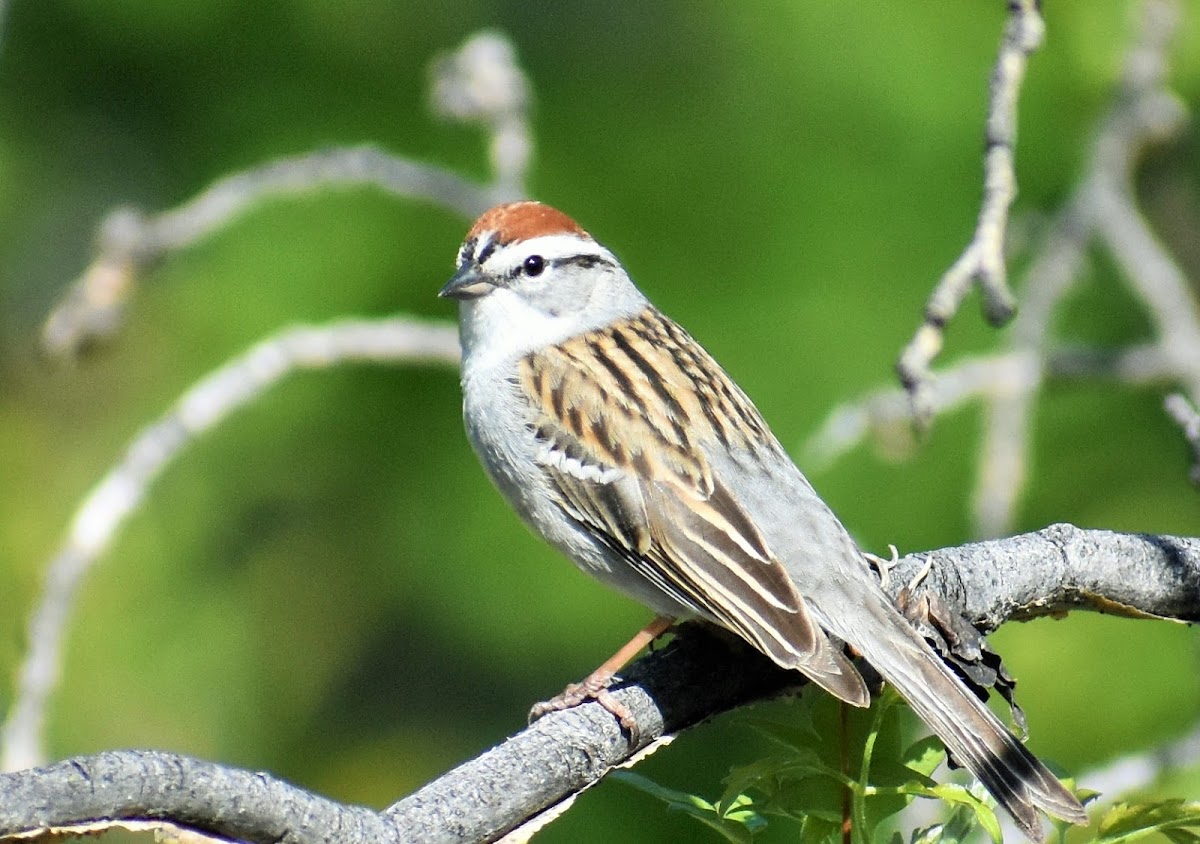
<point>699,675</point>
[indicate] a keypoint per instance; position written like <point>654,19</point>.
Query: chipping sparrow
<point>625,445</point>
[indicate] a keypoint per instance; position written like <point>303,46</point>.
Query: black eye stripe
<point>586,261</point>
<point>535,265</point>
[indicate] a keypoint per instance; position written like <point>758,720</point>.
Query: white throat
<point>502,327</point>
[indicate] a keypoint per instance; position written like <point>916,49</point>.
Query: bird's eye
<point>534,265</point>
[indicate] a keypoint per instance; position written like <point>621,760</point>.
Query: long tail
<point>970,731</point>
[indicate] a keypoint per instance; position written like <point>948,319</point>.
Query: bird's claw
<point>884,567</point>
<point>594,687</point>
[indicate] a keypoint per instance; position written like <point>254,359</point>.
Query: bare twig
<point>480,84</point>
<point>1103,205</point>
<point>129,242</point>
<point>1155,114</point>
<point>885,415</point>
<point>1188,418</point>
<point>205,405</point>
<point>982,262</point>
<point>1009,382</point>
<point>698,676</point>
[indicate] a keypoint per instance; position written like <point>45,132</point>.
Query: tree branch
<point>78,794</point>
<point>1101,209</point>
<point>1188,418</point>
<point>205,405</point>
<point>982,262</point>
<point>702,673</point>
<point>480,83</point>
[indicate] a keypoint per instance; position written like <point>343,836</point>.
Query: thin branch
<point>885,415</point>
<point>480,83</point>
<point>1144,112</point>
<point>982,262</point>
<point>1157,114</point>
<point>129,242</point>
<point>699,675</point>
<point>1188,418</point>
<point>121,491</point>
<point>1008,414</point>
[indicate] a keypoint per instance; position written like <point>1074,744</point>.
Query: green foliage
<point>736,820</point>
<point>1178,820</point>
<point>834,763</point>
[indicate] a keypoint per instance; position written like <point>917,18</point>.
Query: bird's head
<point>529,276</point>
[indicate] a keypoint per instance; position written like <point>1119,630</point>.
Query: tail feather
<point>971,732</point>
<point>977,739</point>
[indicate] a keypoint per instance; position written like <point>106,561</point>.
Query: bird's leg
<point>595,685</point>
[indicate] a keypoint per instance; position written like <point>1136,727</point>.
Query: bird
<point>619,440</point>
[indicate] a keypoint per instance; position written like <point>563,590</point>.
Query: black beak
<point>468,283</point>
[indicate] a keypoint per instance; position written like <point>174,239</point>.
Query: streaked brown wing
<point>624,451</point>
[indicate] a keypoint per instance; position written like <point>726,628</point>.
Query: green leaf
<point>1131,821</point>
<point>809,781</point>
<point>761,775</point>
<point>820,829</point>
<point>1181,836</point>
<point>774,773</point>
<point>738,825</point>
<point>959,826</point>
<point>924,756</point>
<point>816,797</point>
<point>828,746</point>
<point>675,799</point>
<point>744,812</point>
<point>959,796</point>
<point>792,735</point>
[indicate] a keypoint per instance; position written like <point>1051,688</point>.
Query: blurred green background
<point>327,587</point>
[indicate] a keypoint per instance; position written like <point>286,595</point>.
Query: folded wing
<point>628,473</point>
